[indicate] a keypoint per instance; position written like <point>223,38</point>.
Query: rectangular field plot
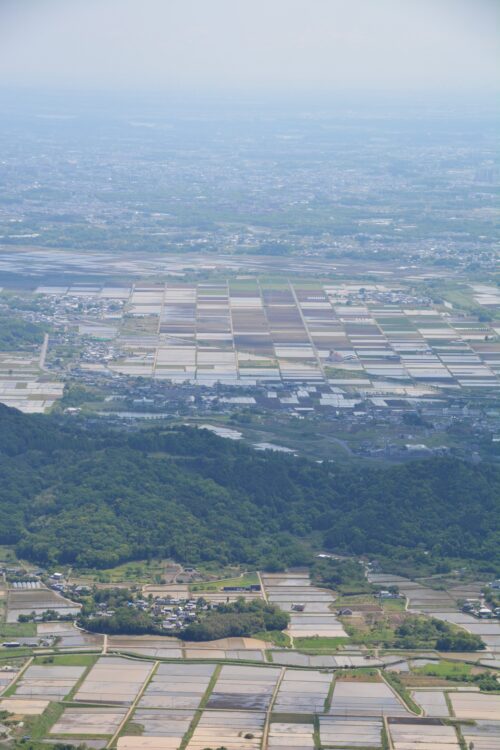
<point>475,705</point>
<point>50,682</point>
<point>161,730</point>
<point>24,602</point>
<point>177,686</point>
<point>485,735</point>
<point>148,743</point>
<point>365,699</point>
<point>336,731</point>
<point>244,687</point>
<point>83,721</point>
<point>304,626</point>
<point>287,589</point>
<point>22,707</point>
<point>290,737</point>
<point>235,730</point>
<point>302,692</point>
<point>162,648</point>
<point>432,701</point>
<point>113,680</point>
<point>417,735</point>
<point>6,678</point>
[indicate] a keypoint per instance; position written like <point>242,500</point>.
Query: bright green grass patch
<point>398,686</point>
<point>247,579</point>
<point>68,660</point>
<point>136,572</point>
<point>13,630</point>
<point>338,372</point>
<point>276,637</point>
<point>38,726</point>
<point>393,605</point>
<point>7,654</point>
<point>445,669</point>
<point>351,601</point>
<point>319,643</point>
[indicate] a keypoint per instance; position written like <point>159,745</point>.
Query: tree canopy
<point>82,493</point>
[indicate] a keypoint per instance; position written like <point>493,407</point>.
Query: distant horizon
<point>324,98</point>
<point>294,47</point>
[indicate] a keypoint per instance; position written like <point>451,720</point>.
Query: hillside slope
<point>92,496</point>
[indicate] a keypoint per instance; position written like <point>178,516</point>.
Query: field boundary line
<point>387,732</point>
<point>188,735</point>
<point>17,677</point>
<point>262,587</point>
<point>265,731</point>
<point>133,705</point>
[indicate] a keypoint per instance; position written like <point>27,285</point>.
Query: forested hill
<point>93,496</point>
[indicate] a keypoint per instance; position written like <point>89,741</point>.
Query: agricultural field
<point>360,698</point>
<point>150,692</point>
<point>422,736</point>
<point>309,606</point>
<point>24,384</point>
<point>254,331</point>
<point>37,599</point>
<point>336,343</point>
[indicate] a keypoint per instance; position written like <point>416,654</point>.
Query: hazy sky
<point>251,45</point>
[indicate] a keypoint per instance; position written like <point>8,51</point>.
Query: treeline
<point>16,333</point>
<point>417,632</point>
<point>345,576</point>
<point>83,494</point>
<point>238,619</point>
<point>124,621</point>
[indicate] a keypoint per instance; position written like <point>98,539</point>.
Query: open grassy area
<point>319,643</point>
<point>37,727</point>
<point>68,660</point>
<point>137,572</point>
<point>370,633</point>
<point>393,605</point>
<point>346,600</point>
<point>13,630</point>
<point>276,637</point>
<point>445,669</point>
<point>246,579</point>
<point>398,686</point>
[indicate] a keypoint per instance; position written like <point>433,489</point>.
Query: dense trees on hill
<point>238,619</point>
<point>92,496</point>
<point>16,333</point>
<point>416,632</point>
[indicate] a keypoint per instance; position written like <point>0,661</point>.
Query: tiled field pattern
<point>38,600</point>
<point>49,682</point>
<point>114,680</point>
<point>83,721</point>
<point>161,730</point>
<point>252,331</point>
<point>236,730</point>
<point>302,692</point>
<point>290,737</point>
<point>365,699</point>
<point>485,735</point>
<point>421,736</point>
<point>338,731</point>
<point>177,686</point>
<point>432,701</point>
<point>243,688</point>
<point>287,589</point>
<point>443,605</point>
<point>476,705</point>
